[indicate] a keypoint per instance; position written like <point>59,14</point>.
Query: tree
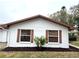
<point>55,16</point>
<point>71,20</point>
<point>63,16</point>
<point>75,13</point>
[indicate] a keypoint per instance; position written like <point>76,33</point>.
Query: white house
<point>21,33</point>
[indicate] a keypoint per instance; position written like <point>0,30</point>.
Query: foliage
<point>72,37</point>
<point>37,41</point>
<point>63,16</point>
<point>75,12</point>
<point>40,41</point>
<point>71,20</point>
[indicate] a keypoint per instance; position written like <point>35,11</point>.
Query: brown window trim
<point>31,35</point>
<point>18,32</point>
<point>46,36</point>
<point>60,36</point>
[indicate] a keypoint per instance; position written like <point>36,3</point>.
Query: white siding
<point>39,26</point>
<point>3,35</point>
<point>0,35</point>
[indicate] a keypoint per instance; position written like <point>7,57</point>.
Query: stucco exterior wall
<point>39,26</point>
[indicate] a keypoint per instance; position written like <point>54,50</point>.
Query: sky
<point>12,10</point>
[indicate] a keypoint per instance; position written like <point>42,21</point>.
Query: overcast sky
<point>11,10</point>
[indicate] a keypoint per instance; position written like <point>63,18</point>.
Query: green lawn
<point>44,54</point>
<point>76,43</point>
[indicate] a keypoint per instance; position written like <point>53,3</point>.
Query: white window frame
<point>53,42</point>
<point>24,35</point>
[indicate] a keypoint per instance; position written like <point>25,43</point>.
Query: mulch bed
<point>71,48</point>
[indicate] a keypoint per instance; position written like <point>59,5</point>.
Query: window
<point>52,35</point>
<point>25,35</point>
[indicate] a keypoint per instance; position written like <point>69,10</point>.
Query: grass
<point>76,43</point>
<point>40,54</point>
<point>2,45</point>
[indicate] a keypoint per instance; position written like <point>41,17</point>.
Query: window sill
<point>25,42</point>
<point>53,43</point>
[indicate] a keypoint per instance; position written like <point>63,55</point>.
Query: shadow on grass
<point>40,49</point>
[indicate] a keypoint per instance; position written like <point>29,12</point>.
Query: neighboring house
<point>21,33</point>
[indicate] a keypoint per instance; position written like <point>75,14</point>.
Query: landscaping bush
<point>40,41</point>
<point>72,37</point>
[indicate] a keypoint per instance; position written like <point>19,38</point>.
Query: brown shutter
<point>60,36</point>
<point>46,36</point>
<point>18,32</point>
<point>32,35</point>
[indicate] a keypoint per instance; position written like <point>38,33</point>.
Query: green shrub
<point>37,41</point>
<point>72,37</point>
<point>40,41</point>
